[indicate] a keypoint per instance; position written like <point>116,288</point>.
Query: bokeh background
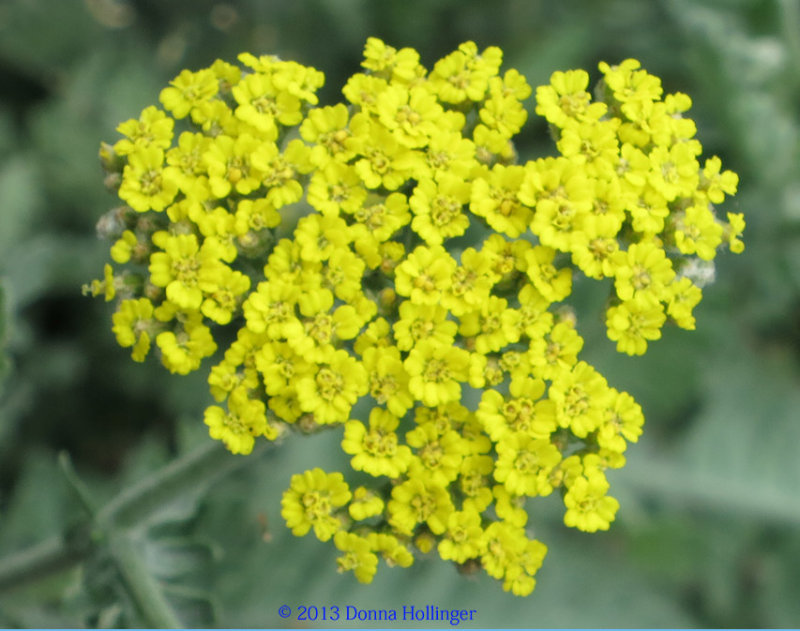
<point>709,530</point>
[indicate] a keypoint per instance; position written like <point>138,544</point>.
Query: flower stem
<point>189,474</point>
<point>113,525</point>
<point>47,557</point>
<point>142,586</point>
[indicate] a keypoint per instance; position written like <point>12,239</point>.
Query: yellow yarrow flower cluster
<point>390,254</point>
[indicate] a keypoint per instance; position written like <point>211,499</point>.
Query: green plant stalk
<point>125,512</point>
<point>190,473</point>
<point>142,586</point>
<point>40,561</point>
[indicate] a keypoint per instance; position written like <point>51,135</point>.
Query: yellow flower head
<point>390,270</point>
<point>311,501</point>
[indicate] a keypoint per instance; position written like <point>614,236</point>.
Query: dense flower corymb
<point>391,254</point>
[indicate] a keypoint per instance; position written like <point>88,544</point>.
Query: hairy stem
<point>143,588</point>
<point>112,525</point>
<point>186,475</point>
<point>42,560</point>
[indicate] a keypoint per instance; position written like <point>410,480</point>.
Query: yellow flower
<point>264,106</point>
<point>388,380</point>
<point>381,159</point>
<point>509,508</point>
<point>495,199</point>
<point>376,450</point>
<point>588,507</point>
<point>503,544</point>
<point>471,283</point>
<point>392,550</point>
<point>280,366</point>
<point>124,246</point>
<point>271,309</point>
<point>566,100</point>
<point>697,232</point>
<point>519,575</point>
<point>332,392</point>
<point>562,194</point>
<point>593,145</point>
<point>152,129</point>
<point>254,215</point>
<point>365,504</point>
<point>223,289</point>
<point>463,539</point>
<point>310,241</point>
<point>245,419</point>
<point>146,185</point>
<point>412,114</point>
<point>319,237</point>
<point>556,351</point>
<point>358,556</point>
<point>623,422</point>
<point>493,326</point>
<point>438,208</point>
<point>628,83</point>
<point>336,188</point>
<point>425,274</point>
<point>133,322</point>
<point>238,367</point>
<point>464,74</point>
<point>734,231</point>
<point>106,287</point>
<point>423,322</point>
<point>683,297</point>
<point>326,128</point>
<point>437,456</point>
<point>581,396</point>
<point>188,90</point>
<point>674,171</point>
<point>554,284</point>
<point>281,170</point>
<point>419,501</point>
<point>401,65</point>
<point>447,152</point>
<point>184,266</point>
<point>228,162</point>
<point>714,183</point>
<point>363,90</point>
<point>311,500</point>
<point>474,482</point>
<point>503,113</point>
<point>342,274</point>
<point>182,352</point>
<point>635,321</point>
<point>522,413</point>
<point>524,464</point>
<point>643,269</point>
<point>436,371</point>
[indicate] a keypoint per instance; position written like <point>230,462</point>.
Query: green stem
<point>114,522</point>
<point>42,560</point>
<point>76,484</point>
<point>191,473</point>
<point>142,586</point>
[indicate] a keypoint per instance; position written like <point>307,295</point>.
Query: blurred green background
<point>709,530</point>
